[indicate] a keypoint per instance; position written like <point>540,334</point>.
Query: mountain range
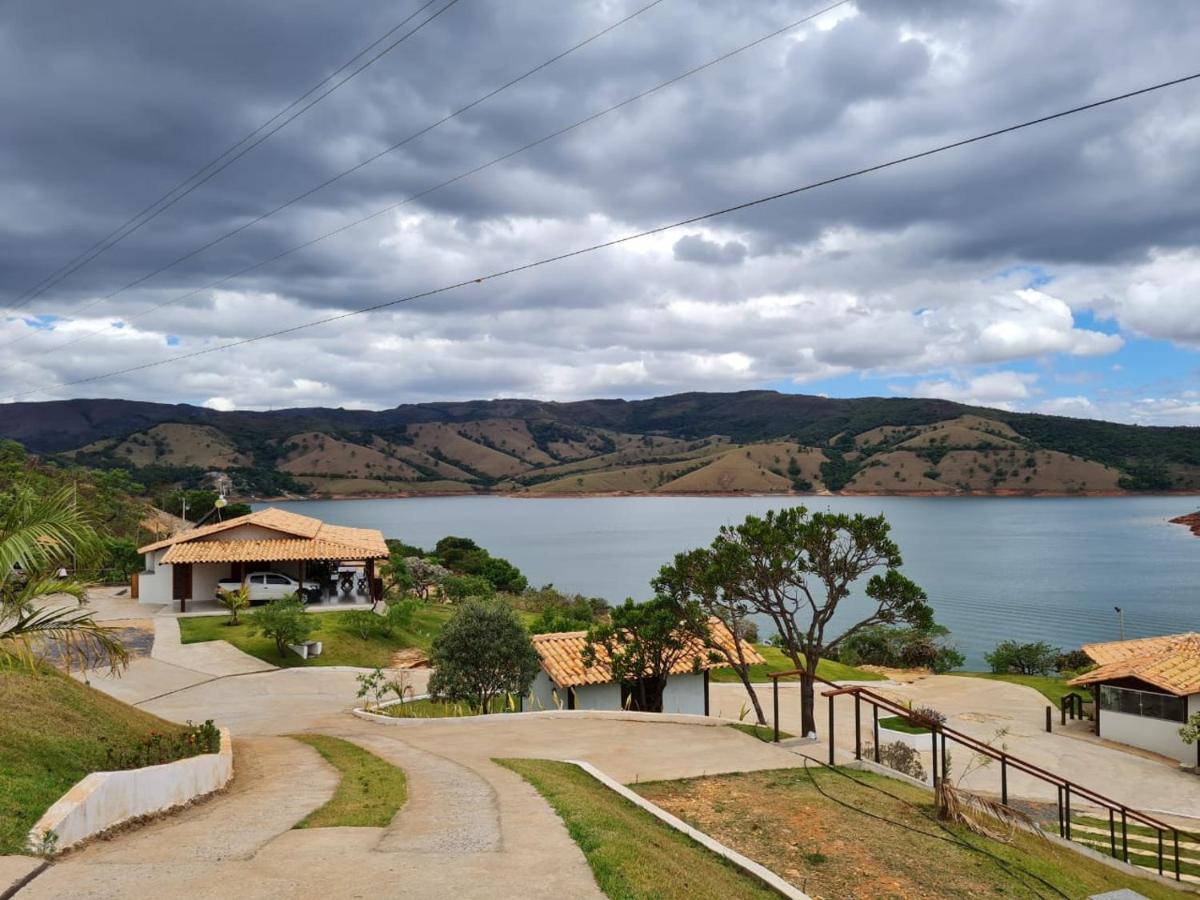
<point>694,443</point>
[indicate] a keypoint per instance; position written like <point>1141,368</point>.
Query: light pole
<point>1121,618</point>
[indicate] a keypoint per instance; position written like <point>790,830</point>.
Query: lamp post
<point>1121,619</point>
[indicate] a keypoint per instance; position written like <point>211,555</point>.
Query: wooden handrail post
<point>875,728</point>
<point>831,730</point>
<point>1067,810</point>
<point>857,727</point>
<point>775,698</point>
<point>933,763</point>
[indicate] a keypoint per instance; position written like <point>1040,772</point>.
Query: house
<point>1146,689</point>
<point>189,564</point>
<point>565,682</point>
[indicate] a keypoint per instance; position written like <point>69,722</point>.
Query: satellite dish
<point>221,503</point>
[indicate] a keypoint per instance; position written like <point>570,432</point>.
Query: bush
<point>1072,661</point>
<point>899,757</point>
<point>1036,658</point>
<point>362,622</point>
<point>481,653</point>
<point>398,616</point>
<point>902,648</point>
<point>460,587</point>
<point>285,620</point>
<point>157,748</point>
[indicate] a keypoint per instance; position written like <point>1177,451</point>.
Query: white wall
<point>541,694</point>
<point>597,696</point>
<point>684,694</point>
<point>102,800</point>
<point>154,584</point>
<point>1157,735</point>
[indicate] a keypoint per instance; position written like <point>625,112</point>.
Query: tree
<point>424,574</point>
<point>460,587</point>
<point>1190,733</point>
<point>1036,658</point>
<point>797,568</point>
<point>905,648</point>
<point>284,620</point>
<point>234,601</point>
<point>697,576</point>
<point>37,536</point>
<point>482,653</point>
<point>644,642</point>
<point>503,575</point>
<point>121,559</point>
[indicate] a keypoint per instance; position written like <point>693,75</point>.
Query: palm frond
<point>982,815</point>
<point>38,532</point>
<point>70,632</point>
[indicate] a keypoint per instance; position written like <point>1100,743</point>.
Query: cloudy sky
<point>1055,269</point>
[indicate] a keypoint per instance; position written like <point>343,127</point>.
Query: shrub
<point>362,622</point>
<point>928,717</point>
<point>1072,661</point>
<point>398,616</point>
<point>1037,658</point>
<point>899,757</point>
<point>157,748</point>
<point>234,601</point>
<point>285,620</point>
<point>905,648</point>
<point>460,587</point>
<point>482,652</point>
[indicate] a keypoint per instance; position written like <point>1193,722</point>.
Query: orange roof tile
<point>301,537</point>
<point>1170,662</point>
<point>561,655</point>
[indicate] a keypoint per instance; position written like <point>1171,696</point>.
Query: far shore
<point>572,495</point>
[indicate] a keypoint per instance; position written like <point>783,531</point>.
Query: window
<point>278,579</point>
<point>256,579</point>
<point>1143,703</point>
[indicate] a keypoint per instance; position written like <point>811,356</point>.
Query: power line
<point>208,172</point>
<point>591,248</point>
<point>791,26</point>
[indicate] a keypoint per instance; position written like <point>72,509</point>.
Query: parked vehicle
<point>268,586</point>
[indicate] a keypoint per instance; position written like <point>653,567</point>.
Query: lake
<point>994,568</point>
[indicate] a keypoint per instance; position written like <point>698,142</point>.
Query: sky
<point>1055,269</point>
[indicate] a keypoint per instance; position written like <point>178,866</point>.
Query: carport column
<point>370,573</point>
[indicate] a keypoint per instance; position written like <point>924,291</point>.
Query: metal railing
<point>1119,815</point>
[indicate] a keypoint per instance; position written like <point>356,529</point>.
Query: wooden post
<point>857,728</point>
<point>706,692</point>
<point>370,573</point>
<point>875,728</point>
<point>775,700</point>
<point>831,731</point>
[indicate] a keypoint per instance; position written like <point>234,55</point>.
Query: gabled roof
<point>300,537</point>
<point>1170,662</point>
<point>561,656</point>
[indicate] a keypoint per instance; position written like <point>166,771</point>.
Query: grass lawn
<point>781,820</point>
<point>777,662</point>
<point>632,854</point>
<point>53,731</point>
<point>342,647</point>
<point>1054,689</point>
<point>370,792</point>
<point>764,733</point>
<point>898,723</point>
<point>437,709</point>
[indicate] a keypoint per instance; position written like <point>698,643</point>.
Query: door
<point>258,588</point>
<point>181,581</point>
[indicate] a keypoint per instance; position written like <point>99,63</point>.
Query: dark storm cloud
<point>106,106</point>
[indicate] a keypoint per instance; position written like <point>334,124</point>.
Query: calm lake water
<point>994,568</point>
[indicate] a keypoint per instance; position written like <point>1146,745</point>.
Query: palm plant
<point>38,534</point>
<point>234,601</point>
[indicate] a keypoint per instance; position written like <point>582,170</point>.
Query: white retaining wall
<point>103,800</point>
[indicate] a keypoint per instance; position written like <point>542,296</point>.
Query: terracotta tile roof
<point>562,656</point>
<point>301,537</point>
<point>1170,662</point>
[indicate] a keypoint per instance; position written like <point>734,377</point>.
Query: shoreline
<point>1191,521</point>
<point>572,495</point>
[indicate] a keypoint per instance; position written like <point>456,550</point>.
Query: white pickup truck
<point>267,586</point>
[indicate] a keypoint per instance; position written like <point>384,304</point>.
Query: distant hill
<point>745,442</point>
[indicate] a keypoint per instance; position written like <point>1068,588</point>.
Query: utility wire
<point>591,248</point>
<point>791,26</point>
<point>360,165</point>
<point>215,167</point>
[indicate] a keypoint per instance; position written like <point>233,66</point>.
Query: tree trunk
<point>744,674</point>
<point>808,721</point>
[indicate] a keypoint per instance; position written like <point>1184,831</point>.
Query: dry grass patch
<point>857,842</point>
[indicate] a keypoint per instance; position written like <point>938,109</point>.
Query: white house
<point>188,565</point>
<point>566,683</point>
<point>1146,689</point>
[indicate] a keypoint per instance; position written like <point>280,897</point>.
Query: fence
<point>1120,816</point>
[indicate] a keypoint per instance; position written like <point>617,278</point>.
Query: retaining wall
<point>103,800</point>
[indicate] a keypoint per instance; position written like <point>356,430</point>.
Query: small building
<point>566,683</point>
<point>1146,690</point>
<point>189,565</point>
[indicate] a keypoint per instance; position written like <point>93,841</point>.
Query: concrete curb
<point>612,715</point>
<point>747,865</point>
<point>103,800</point>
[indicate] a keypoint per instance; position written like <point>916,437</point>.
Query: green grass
<point>438,709</point>
<point>778,662</point>
<point>764,733</point>
<point>342,647</point>
<point>850,834</point>
<point>369,793</point>
<point>898,723</point>
<point>54,731</point>
<point>631,853</point>
<point>1052,688</point>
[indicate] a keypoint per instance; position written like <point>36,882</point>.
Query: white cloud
<point>996,389</point>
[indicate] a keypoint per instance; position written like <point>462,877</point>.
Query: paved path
<point>982,708</point>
